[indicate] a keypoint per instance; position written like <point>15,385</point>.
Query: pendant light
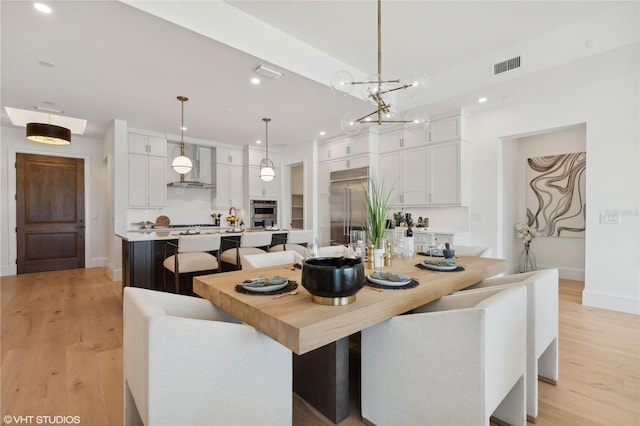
<point>48,133</point>
<point>182,164</point>
<point>267,170</point>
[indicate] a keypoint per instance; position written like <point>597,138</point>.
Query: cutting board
<point>162,221</point>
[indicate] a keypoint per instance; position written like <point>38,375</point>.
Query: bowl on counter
<point>333,280</point>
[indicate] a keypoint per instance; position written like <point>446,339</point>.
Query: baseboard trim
<point>566,273</point>
<point>114,274</point>
<point>612,302</point>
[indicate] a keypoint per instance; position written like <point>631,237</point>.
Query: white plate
<point>439,267</point>
<point>265,289</point>
<point>388,283</point>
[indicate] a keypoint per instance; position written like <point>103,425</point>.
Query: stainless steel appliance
<point>348,189</point>
<point>263,213</point>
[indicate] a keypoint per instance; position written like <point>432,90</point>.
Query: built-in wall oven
<point>263,213</point>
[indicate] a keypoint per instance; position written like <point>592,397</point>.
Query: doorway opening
<point>293,197</point>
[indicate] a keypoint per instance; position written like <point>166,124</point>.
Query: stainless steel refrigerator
<point>348,189</point>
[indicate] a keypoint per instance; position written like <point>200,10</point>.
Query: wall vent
<point>508,65</point>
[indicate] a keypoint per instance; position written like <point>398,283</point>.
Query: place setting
<point>440,265</point>
<point>262,286</point>
<point>391,281</point>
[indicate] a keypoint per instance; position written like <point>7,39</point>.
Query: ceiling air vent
<point>268,72</point>
<point>508,65</point>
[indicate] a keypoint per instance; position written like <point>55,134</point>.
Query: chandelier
<point>267,170</point>
<point>376,89</point>
<point>182,164</point>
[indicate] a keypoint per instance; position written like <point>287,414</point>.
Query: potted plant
<point>377,205</point>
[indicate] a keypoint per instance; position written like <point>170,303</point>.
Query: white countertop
<point>174,233</point>
<point>435,231</point>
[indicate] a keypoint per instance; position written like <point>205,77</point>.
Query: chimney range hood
<point>192,179</point>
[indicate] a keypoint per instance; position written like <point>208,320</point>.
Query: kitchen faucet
<point>236,222</point>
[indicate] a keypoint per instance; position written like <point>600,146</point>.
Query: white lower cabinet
<point>229,187</point>
<point>324,221</point>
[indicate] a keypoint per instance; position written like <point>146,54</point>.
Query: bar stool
<point>250,243</point>
<point>192,255</point>
<point>296,240</point>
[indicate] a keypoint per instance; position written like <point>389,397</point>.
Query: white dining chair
<point>261,260</point>
<point>297,240</point>
<point>333,251</point>
<point>186,362</point>
<point>250,243</point>
<point>456,361</point>
<point>462,250</point>
<point>542,326</point>
<point>192,255</point>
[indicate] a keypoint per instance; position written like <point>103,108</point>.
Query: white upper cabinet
<point>149,145</point>
<point>446,129</point>
<point>256,188</point>
<point>448,173</point>
<point>259,189</point>
<point>347,147</point>
<point>231,156</point>
<point>147,171</point>
<point>404,173</point>
<point>411,137</point>
<point>229,190</point>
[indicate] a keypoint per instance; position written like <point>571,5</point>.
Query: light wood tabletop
<point>302,325</point>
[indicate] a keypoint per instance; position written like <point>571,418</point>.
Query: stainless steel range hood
<point>190,184</point>
<point>192,179</point>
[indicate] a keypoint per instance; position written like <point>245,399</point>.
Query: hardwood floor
<point>61,353</point>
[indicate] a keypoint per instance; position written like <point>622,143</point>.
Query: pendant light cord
<point>266,136</point>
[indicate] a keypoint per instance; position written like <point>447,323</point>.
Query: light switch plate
<point>610,218</point>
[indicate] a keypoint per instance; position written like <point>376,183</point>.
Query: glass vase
<point>527,261</point>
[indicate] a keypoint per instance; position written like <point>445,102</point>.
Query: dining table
<point>318,334</point>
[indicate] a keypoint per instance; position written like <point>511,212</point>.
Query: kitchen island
<point>144,250</point>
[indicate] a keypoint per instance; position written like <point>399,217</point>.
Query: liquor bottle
<point>408,244</point>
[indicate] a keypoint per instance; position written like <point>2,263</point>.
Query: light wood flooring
<point>61,354</point>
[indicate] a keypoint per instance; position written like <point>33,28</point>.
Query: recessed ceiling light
<point>258,141</point>
<point>255,80</point>
<point>483,99</point>
<point>323,133</point>
<point>41,7</point>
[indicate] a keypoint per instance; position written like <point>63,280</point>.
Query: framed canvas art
<point>555,194</point>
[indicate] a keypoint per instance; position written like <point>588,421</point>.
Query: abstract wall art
<point>555,195</point>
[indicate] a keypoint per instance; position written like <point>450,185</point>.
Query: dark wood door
<point>49,212</point>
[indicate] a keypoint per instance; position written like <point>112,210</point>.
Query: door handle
<point>344,212</point>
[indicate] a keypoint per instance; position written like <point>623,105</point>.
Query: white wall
<point>609,107</point>
<point>13,141</point>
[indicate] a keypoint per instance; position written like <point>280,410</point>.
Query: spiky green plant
<point>377,205</point>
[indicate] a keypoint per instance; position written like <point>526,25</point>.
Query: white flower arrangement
<point>525,233</point>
